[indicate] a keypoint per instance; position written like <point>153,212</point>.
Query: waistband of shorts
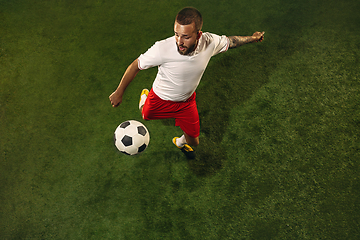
<point>190,99</point>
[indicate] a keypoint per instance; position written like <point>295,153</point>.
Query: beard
<point>187,50</point>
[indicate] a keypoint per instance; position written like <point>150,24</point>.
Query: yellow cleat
<point>186,149</point>
<point>143,92</point>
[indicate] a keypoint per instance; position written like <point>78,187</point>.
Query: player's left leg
<point>181,144</point>
<point>186,139</point>
<point>189,139</point>
<point>188,120</point>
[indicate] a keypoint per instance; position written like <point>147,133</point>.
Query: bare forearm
<point>128,76</point>
<point>237,41</point>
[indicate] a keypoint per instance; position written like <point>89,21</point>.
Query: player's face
<point>186,37</point>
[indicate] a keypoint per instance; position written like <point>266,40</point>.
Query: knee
<point>144,114</point>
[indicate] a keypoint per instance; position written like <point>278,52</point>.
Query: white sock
<point>142,100</point>
<point>181,141</point>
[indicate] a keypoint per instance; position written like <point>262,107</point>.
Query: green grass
<point>279,143</point>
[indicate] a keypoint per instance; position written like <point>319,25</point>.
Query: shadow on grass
<point>209,156</point>
<point>231,79</point>
<point>209,159</point>
<point>223,87</point>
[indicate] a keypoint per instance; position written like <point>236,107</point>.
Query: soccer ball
<point>131,137</point>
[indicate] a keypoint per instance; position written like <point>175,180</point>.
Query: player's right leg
<point>143,96</point>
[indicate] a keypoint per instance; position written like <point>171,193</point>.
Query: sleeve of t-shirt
<point>221,44</point>
<point>150,58</point>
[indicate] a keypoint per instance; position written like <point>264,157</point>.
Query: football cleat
<point>143,92</point>
<point>186,149</point>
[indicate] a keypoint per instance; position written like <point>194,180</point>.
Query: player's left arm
<point>237,41</point>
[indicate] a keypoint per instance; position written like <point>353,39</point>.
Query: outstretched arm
<point>237,41</point>
<point>129,75</point>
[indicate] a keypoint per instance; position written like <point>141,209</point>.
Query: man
<point>181,62</point>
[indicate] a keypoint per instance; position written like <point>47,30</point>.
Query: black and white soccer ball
<point>131,137</point>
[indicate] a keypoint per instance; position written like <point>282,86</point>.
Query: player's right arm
<point>129,75</point>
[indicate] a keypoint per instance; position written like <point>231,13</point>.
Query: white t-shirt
<point>179,75</point>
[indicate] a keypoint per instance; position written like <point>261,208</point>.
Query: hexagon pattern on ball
<point>131,137</point>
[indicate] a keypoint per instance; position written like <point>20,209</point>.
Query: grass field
<point>279,153</point>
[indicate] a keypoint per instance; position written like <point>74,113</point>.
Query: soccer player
<point>181,61</point>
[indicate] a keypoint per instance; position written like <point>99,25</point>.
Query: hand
<point>259,36</point>
<point>115,99</point>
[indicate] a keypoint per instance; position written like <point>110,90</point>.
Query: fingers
<point>261,36</point>
<point>115,105</point>
<point>114,102</point>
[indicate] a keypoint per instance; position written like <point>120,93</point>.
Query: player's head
<point>190,15</point>
<point>187,29</point>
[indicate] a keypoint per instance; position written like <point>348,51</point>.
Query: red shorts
<point>185,113</point>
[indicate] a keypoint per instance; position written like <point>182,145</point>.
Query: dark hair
<point>189,15</point>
